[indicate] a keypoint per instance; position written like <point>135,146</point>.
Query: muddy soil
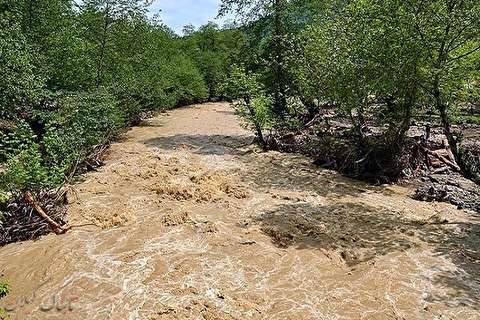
<point>193,222</point>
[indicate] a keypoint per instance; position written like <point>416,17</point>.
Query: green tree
<point>271,18</point>
<point>450,34</point>
<point>19,82</point>
<point>101,17</point>
<point>250,102</point>
<point>214,51</point>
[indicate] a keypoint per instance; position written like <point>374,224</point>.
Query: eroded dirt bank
<point>195,223</point>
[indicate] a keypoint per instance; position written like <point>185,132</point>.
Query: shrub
<point>82,120</point>
<point>189,85</point>
<point>4,289</point>
<point>25,171</point>
<point>13,141</point>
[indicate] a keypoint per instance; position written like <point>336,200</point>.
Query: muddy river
<point>194,222</point>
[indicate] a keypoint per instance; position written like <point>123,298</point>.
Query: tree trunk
<point>309,103</point>
<point>280,101</point>
<point>357,125</point>
<point>447,130</point>
<point>405,124</point>
<point>258,128</point>
<point>361,117</point>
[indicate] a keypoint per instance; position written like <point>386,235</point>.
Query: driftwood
<point>441,170</point>
<point>57,228</point>
<point>441,158</point>
<point>448,150</point>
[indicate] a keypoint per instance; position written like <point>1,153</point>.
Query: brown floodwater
<point>194,222</point>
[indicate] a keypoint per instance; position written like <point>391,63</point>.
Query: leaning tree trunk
<point>453,142</point>
<point>258,127</point>
<point>309,103</point>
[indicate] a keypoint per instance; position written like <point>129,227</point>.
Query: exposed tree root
<point>23,219</point>
<point>57,228</point>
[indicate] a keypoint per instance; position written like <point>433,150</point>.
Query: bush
<point>82,120</point>
<point>13,141</point>
<point>188,83</point>
<point>25,171</point>
<point>4,290</point>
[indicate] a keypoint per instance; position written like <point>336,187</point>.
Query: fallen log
<point>58,229</point>
<point>437,154</point>
<point>440,170</point>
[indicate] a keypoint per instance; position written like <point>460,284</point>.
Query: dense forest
<point>343,81</point>
<point>377,67</point>
<point>74,74</point>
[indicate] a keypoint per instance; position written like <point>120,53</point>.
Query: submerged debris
<point>21,223</point>
<point>454,189</point>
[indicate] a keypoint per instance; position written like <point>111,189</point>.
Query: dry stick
<point>58,229</point>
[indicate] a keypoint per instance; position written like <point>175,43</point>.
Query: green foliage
<point>188,85</point>
<point>250,102</point>
<point>83,120</point>
<point>274,47</point>
<point>262,114</point>
<point>242,85</point>
<point>74,73</point>
<point>19,138</point>
<point>376,62</point>
<point>25,171</point>
<point>4,289</point>
<point>19,83</point>
<point>466,119</point>
<point>214,51</point>
<point>365,52</point>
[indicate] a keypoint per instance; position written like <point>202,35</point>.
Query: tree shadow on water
<point>462,248</point>
<point>215,144</point>
<point>362,232</point>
